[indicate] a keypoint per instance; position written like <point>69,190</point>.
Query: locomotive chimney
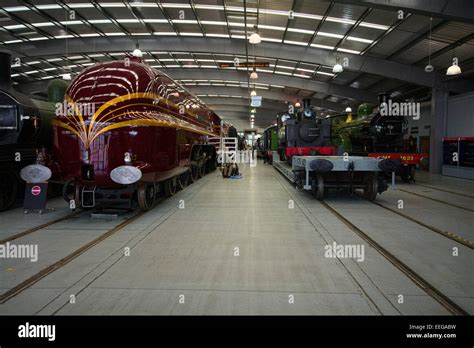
<point>5,70</point>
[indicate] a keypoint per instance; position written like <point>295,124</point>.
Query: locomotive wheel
<point>146,196</point>
<point>183,180</point>
<point>194,173</point>
<point>201,169</point>
<point>72,193</point>
<point>8,189</point>
<point>317,187</point>
<point>371,187</point>
<point>171,186</point>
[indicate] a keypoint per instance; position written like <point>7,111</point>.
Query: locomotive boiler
<point>25,133</point>
<point>302,134</point>
<point>128,133</point>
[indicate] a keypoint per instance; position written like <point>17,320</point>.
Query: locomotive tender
<point>143,134</point>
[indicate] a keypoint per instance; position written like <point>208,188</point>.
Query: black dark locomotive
<point>302,134</point>
<point>25,130</point>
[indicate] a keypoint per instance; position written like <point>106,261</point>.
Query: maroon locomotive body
<point>127,131</point>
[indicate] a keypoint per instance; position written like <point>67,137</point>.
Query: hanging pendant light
<point>137,52</point>
<point>429,68</point>
<point>454,69</point>
<point>254,75</point>
<point>337,68</point>
<point>253,93</point>
<point>348,109</point>
<point>255,39</point>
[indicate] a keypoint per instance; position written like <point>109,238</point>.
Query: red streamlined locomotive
<point>126,132</point>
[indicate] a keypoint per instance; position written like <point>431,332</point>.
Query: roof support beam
<point>457,10</point>
<point>310,55</point>
<point>288,81</point>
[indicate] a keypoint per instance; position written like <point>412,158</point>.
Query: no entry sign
<point>36,190</point>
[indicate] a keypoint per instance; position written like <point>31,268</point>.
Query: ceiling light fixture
<point>429,68</point>
<point>253,93</point>
<point>137,52</point>
<point>297,104</point>
<point>337,68</point>
<point>254,75</point>
<point>255,39</point>
<point>348,109</point>
<point>454,69</point>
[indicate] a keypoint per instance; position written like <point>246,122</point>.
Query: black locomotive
<point>25,130</point>
<point>300,133</point>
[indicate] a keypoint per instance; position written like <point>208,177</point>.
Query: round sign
<point>35,173</point>
<point>35,190</point>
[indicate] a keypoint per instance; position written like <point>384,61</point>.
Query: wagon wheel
<point>8,189</point>
<point>194,173</point>
<point>171,186</point>
<point>72,192</point>
<point>146,196</point>
<point>317,186</point>
<point>183,180</point>
<point>371,187</point>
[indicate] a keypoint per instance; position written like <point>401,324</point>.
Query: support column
<point>439,118</point>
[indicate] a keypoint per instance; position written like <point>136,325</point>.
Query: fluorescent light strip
<point>322,46</point>
<point>175,5</point>
<point>209,7</point>
<point>300,75</point>
<point>348,51</point>
<point>81,5</point>
<point>143,4</point>
<point>324,73</point>
<point>155,20</point>
<point>13,27</point>
<point>165,33</point>
<point>112,4</point>
<point>16,9</point>
<point>217,35</point>
<point>191,34</point>
<point>184,21</point>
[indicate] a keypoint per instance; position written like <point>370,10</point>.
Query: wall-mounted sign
<point>245,65</point>
<point>256,101</point>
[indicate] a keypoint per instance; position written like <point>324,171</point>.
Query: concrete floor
<point>184,261</point>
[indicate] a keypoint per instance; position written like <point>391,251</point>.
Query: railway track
<point>422,283</point>
<point>39,227</point>
<point>448,191</point>
<point>437,200</point>
<point>17,289</point>
<point>450,235</point>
